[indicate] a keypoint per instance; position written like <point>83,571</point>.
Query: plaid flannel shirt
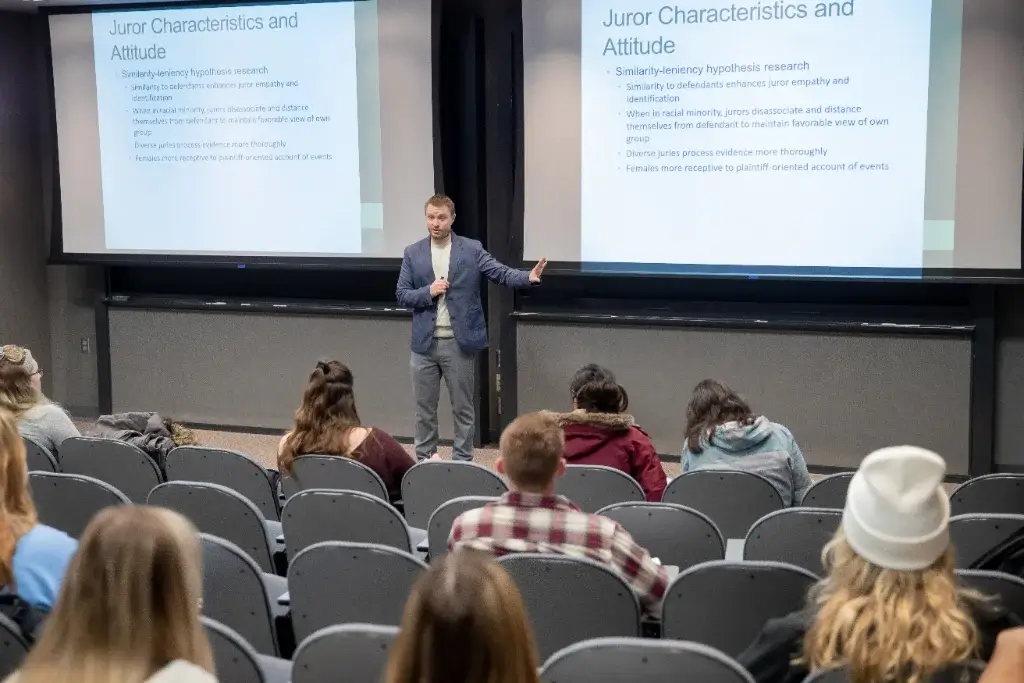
<point>534,523</point>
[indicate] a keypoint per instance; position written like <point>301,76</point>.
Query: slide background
<point>397,165</point>
<point>988,120</point>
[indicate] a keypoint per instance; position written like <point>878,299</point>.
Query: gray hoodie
<point>762,447</point>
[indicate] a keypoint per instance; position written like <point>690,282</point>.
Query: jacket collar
<point>523,499</point>
<point>617,422</point>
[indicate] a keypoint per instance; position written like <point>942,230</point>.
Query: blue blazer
<point>469,261</point>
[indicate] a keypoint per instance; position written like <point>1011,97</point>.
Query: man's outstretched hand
<point>538,270</point>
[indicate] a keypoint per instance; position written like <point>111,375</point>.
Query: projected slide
<point>760,134</point>
<point>236,130</point>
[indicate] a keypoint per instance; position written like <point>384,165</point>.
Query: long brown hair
<point>17,395</point>
<point>129,605</point>
<point>464,623</point>
<point>17,512</point>
<point>325,418</point>
<point>713,403</point>
<point>888,625</point>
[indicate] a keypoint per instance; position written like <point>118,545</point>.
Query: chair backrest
<point>963,672</point>
<point>828,492</point>
<point>39,458</point>
<point>343,583</point>
<point>592,487</point>
<point>332,472</point>
<point>360,650</point>
<point>219,511</point>
<point>235,595</point>
<point>794,535</point>
<point>317,515</point>
<point>13,647</point>
<point>733,499</point>
<point>120,464</point>
<point>1001,493</point>
<point>1007,587</point>
<point>640,659</point>
<point>440,525</point>
<point>675,534</point>
<point>228,468</point>
<point>235,660</point>
<point>725,604</point>
<point>973,535</point>
<point>68,501</point>
<point>569,599</point>
<point>433,482</point>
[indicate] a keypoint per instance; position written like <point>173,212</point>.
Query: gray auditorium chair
<point>1009,589</point>
<point>237,662</point>
<point>359,650</point>
<point>973,535</point>
<point>315,515</point>
<point>964,672</point>
<point>13,647</point>
<point>338,583</point>
<point>122,465</point>
<point>39,458</point>
<point>592,487</point>
<point>828,492</point>
<point>332,472</point>
<point>228,468</point>
<point>640,659</point>
<point>238,594</point>
<point>733,499</point>
<point>223,512</point>
<point>68,501</point>
<point>725,604</point>
<point>439,528</point>
<point>990,493</point>
<point>793,535</point>
<point>675,534</point>
<point>433,482</point>
<point>569,599</point>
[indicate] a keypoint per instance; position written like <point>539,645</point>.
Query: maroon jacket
<point>613,440</point>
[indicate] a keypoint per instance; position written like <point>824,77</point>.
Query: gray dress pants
<point>445,360</point>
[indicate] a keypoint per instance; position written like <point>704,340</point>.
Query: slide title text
<point>162,26</point>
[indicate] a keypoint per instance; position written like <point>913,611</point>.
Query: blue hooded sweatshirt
<point>761,447</point>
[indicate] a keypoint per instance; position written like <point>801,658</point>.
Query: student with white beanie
<point>890,608</point>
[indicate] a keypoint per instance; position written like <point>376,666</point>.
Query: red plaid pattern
<point>534,523</point>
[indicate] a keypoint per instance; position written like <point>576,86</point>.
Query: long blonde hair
<point>464,623</point>
<point>888,625</point>
<point>129,604</point>
<point>17,512</point>
<point>17,394</point>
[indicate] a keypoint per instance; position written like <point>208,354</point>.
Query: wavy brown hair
<point>713,403</point>
<point>17,512</point>
<point>17,395</point>
<point>325,418</point>
<point>129,605</point>
<point>888,625</point>
<point>464,623</point>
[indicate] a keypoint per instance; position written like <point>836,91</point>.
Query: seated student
<point>129,611</point>
<point>33,556</point>
<point>327,423</point>
<point>464,623</point>
<point>889,608</point>
<point>722,432</point>
<point>21,394</point>
<point>532,519</point>
<point>599,432</point>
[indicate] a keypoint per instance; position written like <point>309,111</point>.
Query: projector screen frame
<point>58,256</point>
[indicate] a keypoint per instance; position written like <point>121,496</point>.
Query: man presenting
<point>440,282</point>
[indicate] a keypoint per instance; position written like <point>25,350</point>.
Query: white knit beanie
<point>897,513</point>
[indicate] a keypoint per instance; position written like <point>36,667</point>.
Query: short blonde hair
<point>531,449</point>
<point>464,623</point>
<point>129,604</point>
<point>440,201</point>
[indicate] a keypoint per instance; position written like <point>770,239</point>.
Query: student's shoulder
<point>41,537</point>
